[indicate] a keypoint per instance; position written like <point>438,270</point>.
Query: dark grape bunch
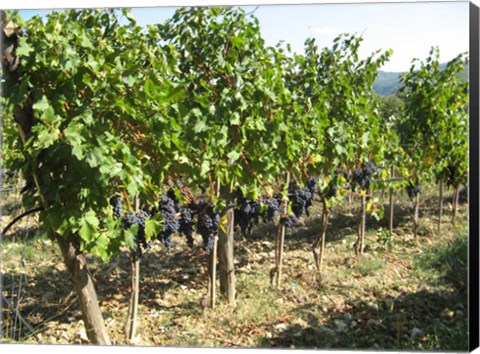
<point>452,175</point>
<point>117,203</point>
<point>289,221</point>
<point>247,214</point>
<point>301,198</point>
<point>167,207</point>
<point>271,207</point>
<point>312,184</point>
<point>187,222</point>
<point>312,188</point>
<point>363,177</point>
<point>413,190</point>
<point>129,219</point>
<point>142,244</point>
<point>207,224</point>
<point>171,224</point>
<point>333,187</point>
<point>332,190</point>
<point>185,216</point>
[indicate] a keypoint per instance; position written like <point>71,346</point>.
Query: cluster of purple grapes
<point>184,218</point>
<point>167,207</point>
<point>207,224</point>
<point>271,207</point>
<point>178,218</point>
<point>202,216</point>
<point>128,220</point>
<point>117,203</point>
<point>413,189</point>
<point>302,198</point>
<point>247,214</point>
<point>452,175</point>
<point>333,188</point>
<point>187,222</point>
<point>289,220</point>
<point>363,177</point>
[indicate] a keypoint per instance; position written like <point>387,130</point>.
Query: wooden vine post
<point>132,315</point>
<point>318,246</point>
<point>440,204</point>
<point>212,264</point>
<point>392,205</point>
<point>226,257</point>
<point>280,240</point>
<point>224,248</point>
<point>416,216</point>
<point>456,192</point>
<point>279,250</point>
<point>359,245</point>
<point>212,273</point>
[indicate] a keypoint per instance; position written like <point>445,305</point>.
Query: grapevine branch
<point>19,217</point>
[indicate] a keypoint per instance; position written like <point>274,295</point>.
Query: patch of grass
<point>31,250</point>
<point>424,228</point>
<point>449,258</point>
<point>255,306</point>
<point>368,266</point>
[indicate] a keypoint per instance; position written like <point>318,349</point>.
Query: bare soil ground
<point>398,295</point>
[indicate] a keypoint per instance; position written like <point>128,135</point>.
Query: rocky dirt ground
<point>398,295</point>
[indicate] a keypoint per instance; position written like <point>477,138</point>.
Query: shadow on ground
<point>422,320</point>
<point>415,321</point>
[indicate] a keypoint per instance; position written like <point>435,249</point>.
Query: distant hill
<point>388,83</point>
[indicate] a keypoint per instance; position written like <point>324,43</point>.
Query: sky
<point>410,29</point>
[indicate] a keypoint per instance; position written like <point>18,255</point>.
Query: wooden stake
<point>132,316</point>
<point>440,205</point>
<point>318,246</point>
<point>281,238</point>
<point>456,192</point>
<point>415,217</point>
<point>392,205</point>
<point>361,227</point>
<point>226,259</point>
<point>281,242</point>
<point>362,223</point>
<point>212,273</point>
